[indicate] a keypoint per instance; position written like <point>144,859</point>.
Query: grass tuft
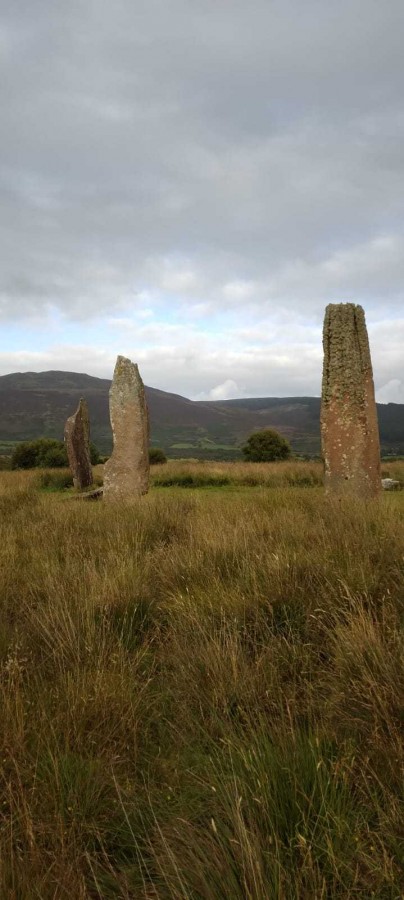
<point>201,694</point>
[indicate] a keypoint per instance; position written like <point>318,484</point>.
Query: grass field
<point>201,693</point>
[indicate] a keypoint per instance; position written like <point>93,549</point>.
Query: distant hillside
<point>33,404</point>
<point>302,416</point>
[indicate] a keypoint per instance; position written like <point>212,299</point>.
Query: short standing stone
<point>77,439</point>
<point>349,429</point>
<point>389,484</point>
<point>126,473</point>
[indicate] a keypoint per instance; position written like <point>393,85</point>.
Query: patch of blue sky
<point>31,337</point>
<point>212,321</point>
<point>59,329</point>
<point>96,334</point>
<point>173,312</point>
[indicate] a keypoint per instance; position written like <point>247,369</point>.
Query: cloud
<point>226,391</point>
<point>281,360</point>
<point>233,165</point>
<point>392,392</point>
<point>198,366</point>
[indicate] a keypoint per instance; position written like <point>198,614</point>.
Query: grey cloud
<point>182,368</point>
<point>185,149</point>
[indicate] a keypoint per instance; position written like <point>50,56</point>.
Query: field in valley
<point>201,693</point>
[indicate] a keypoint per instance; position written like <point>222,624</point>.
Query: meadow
<point>201,692</point>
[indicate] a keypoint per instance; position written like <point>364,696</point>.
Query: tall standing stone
<point>77,440</point>
<point>126,473</point>
<point>349,429</point>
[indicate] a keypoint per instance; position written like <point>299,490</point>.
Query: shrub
<point>24,456</point>
<point>266,446</point>
<point>53,458</point>
<point>95,456</point>
<point>156,455</point>
<point>47,453</point>
<point>44,452</point>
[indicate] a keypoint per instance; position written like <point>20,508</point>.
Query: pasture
<point>201,692</point>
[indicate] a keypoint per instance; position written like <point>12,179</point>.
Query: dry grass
<point>201,694</point>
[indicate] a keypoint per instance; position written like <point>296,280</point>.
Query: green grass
<point>55,480</point>
<point>201,693</point>
<point>198,474</point>
<point>209,446</point>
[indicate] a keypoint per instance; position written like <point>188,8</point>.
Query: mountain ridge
<point>35,404</point>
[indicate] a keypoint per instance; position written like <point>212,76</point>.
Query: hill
<point>34,404</point>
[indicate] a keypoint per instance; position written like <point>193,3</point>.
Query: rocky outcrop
<point>126,474</point>
<point>349,429</point>
<point>77,440</point>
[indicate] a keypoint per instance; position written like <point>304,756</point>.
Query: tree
<point>265,446</point>
<point>48,453</point>
<point>54,457</point>
<point>23,456</point>
<point>156,455</point>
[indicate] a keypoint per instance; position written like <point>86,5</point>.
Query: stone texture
<point>126,473</point>
<point>349,429</point>
<point>389,484</point>
<point>77,439</point>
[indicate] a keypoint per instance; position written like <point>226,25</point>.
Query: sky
<point>190,182</point>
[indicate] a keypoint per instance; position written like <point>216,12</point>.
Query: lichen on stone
<point>350,440</point>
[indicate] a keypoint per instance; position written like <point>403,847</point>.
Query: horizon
<point>184,396</point>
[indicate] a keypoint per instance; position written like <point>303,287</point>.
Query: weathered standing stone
<point>126,474</point>
<point>77,439</point>
<point>349,429</point>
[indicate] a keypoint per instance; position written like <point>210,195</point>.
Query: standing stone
<point>349,430</point>
<point>126,474</point>
<point>77,439</point>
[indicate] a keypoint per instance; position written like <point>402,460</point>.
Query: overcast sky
<point>190,182</point>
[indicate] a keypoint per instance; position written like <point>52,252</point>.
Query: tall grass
<point>182,473</point>
<point>201,694</point>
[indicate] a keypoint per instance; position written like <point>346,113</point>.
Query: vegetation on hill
<point>38,403</point>
<point>201,694</point>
